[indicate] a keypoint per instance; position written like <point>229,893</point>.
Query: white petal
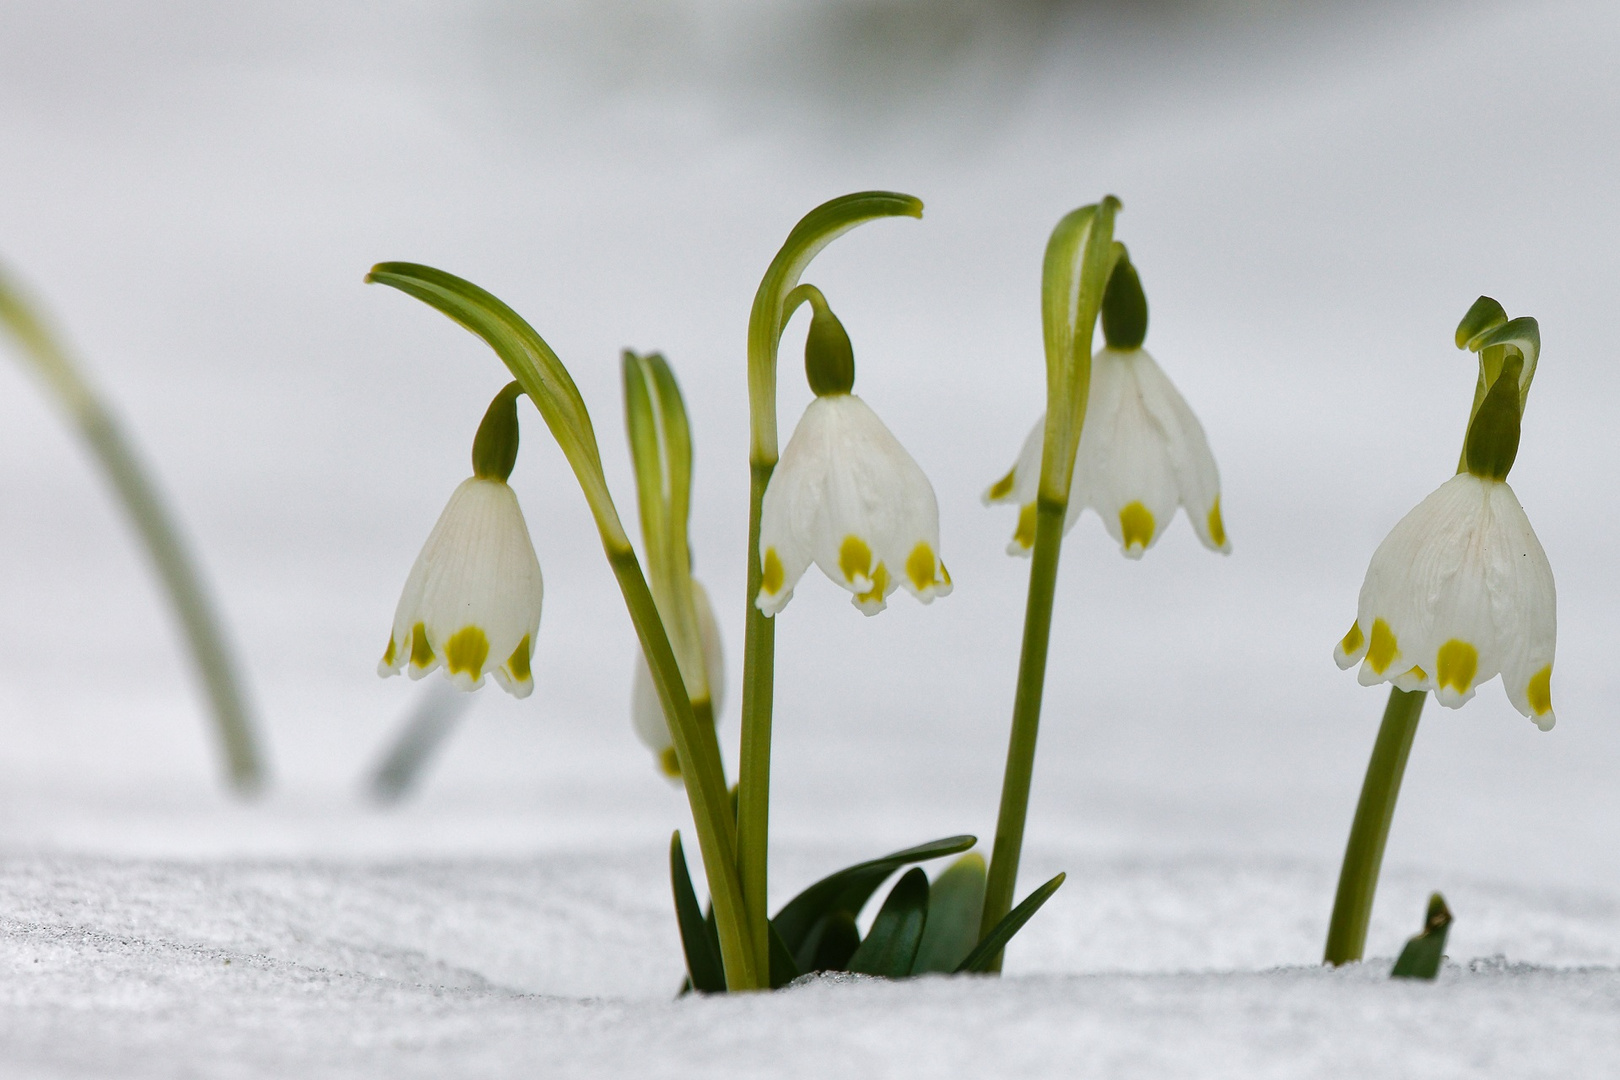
<point>1020,487</point>
<point>647,713</point>
<point>847,495</point>
<point>1458,591</point>
<point>1525,608</point>
<point>1123,468</point>
<point>475,592</point>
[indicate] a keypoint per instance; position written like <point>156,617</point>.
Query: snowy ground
<point>564,966</point>
<point>1314,193</point>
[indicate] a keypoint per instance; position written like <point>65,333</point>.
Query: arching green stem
<point>549,386</point>
<point>204,630</point>
<point>773,304</point>
<point>1079,258</point>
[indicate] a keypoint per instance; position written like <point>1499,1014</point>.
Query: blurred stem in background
<point>204,630</point>
<point>1080,256</point>
<point>439,708</point>
<point>766,321</point>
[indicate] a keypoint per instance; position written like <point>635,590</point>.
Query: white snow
<point>565,966</point>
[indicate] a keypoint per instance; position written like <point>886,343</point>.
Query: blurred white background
<point>1314,193</point>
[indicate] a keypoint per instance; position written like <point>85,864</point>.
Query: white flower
<point>647,715</point>
<point>1458,591</point>
<point>473,595</point>
<point>847,497</point>
<point>1142,453</point>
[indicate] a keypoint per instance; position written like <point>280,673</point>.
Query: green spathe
<point>829,358</point>
<point>1493,435</point>
<point>1124,307</point>
<point>495,447</point>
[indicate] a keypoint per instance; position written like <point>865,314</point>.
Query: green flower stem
<point>204,630</point>
<point>1026,722</point>
<point>1080,257</point>
<point>553,392</point>
<point>774,302</point>
<point>1364,854</point>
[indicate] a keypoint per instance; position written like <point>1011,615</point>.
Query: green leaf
<point>783,967</point>
<point>699,938</point>
<point>984,954</point>
<point>848,890</point>
<point>1423,954</point>
<point>831,942</point>
<point>1079,260</point>
<point>890,947</point>
<point>661,451</point>
<point>955,906</point>
<point>532,363</point>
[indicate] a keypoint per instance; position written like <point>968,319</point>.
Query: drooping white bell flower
<point>472,601</point>
<point>473,596</point>
<point>647,715</point>
<point>846,496</point>
<point>1458,591</point>
<point>1142,453</point>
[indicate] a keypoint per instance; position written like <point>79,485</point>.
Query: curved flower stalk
<point>661,450</point>
<point>546,382</point>
<point>1459,591</point>
<point>846,496</point>
<point>176,567</point>
<point>774,301</point>
<point>1142,451</point>
<point>471,604</point>
<point>1080,258</point>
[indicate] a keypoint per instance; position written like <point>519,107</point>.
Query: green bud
<point>1493,434</point>
<point>495,447</point>
<point>829,358</point>
<point>1124,307</point>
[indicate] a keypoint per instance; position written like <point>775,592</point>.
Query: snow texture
<point>474,968</point>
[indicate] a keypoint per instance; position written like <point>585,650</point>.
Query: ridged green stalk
<point>1079,259</point>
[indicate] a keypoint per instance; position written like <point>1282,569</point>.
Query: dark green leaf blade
<point>830,943</point>
<point>783,967</point>
<point>698,936</point>
<point>955,906</point>
<point>984,952</point>
<point>1424,953</point>
<point>891,947</point>
<point>849,889</point>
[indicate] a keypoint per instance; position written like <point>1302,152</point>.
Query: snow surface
<point>1314,193</point>
<point>504,967</point>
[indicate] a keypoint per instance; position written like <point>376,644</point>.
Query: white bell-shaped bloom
<point>846,496</point>
<point>1458,591</point>
<point>472,601</point>
<point>1142,453</point>
<point>647,715</point>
